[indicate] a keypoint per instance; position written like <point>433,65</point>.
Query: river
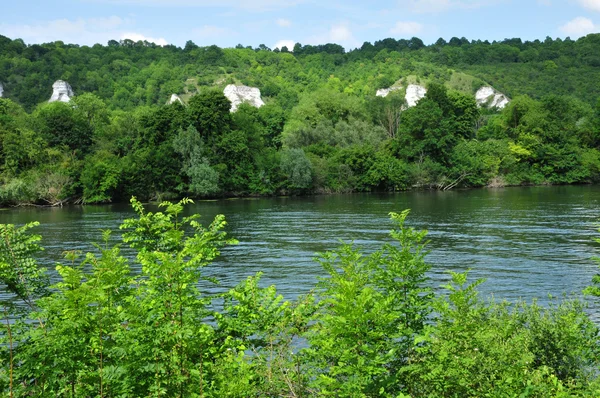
<point>528,242</point>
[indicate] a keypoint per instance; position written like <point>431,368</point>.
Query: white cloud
<point>591,4</point>
<point>406,28</point>
<point>254,5</point>
<point>80,31</point>
<point>287,43</point>
<point>435,6</point>
<point>578,27</point>
<point>340,33</point>
<point>140,37</point>
<point>284,23</point>
<point>106,23</point>
<point>430,5</point>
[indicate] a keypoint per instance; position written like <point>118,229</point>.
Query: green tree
<point>370,309</point>
<point>203,180</point>
<point>93,109</point>
<point>297,167</point>
<point>209,114</point>
<point>61,125</point>
<point>100,177</point>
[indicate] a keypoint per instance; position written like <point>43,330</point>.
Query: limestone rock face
<point>1,90</point>
<point>174,98</point>
<point>238,94</point>
<point>383,92</point>
<point>414,93</point>
<point>488,97</point>
<point>61,91</point>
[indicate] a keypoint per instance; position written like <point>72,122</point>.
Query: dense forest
<point>322,129</point>
<point>373,327</point>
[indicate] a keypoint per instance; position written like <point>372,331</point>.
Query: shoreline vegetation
<point>322,128</point>
<point>171,197</point>
<point>372,328</point>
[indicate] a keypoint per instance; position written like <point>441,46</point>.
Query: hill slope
<point>322,128</point>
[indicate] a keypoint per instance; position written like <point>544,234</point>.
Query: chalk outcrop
<point>1,90</point>
<point>414,93</point>
<point>61,91</point>
<point>383,92</point>
<point>174,98</point>
<point>488,97</point>
<point>239,94</point>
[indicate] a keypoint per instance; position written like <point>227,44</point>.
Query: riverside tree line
<point>322,130</point>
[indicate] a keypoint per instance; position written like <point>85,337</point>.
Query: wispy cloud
<point>339,33</point>
<point>253,5</point>
<point>406,28</point>
<point>436,6</point>
<point>287,43</point>
<point>593,5</point>
<point>211,32</point>
<point>284,23</point>
<point>579,26</point>
<point>81,31</point>
<point>140,37</point>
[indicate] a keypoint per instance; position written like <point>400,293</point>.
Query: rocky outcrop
<point>239,94</point>
<point>488,97</point>
<point>383,92</point>
<point>61,91</point>
<point>1,90</point>
<point>174,98</point>
<point>414,93</point>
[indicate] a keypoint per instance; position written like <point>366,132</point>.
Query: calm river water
<point>527,242</point>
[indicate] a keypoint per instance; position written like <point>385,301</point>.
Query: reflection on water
<point>527,242</point>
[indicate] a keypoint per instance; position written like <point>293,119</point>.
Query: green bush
<point>475,349</point>
<point>371,328</point>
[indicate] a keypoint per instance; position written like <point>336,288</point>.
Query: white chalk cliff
<point>238,94</point>
<point>1,90</point>
<point>414,93</point>
<point>61,91</point>
<point>383,92</point>
<point>174,98</point>
<point>490,98</point>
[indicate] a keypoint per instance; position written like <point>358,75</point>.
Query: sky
<point>275,23</point>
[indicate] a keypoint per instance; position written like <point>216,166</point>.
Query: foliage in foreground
<point>371,328</point>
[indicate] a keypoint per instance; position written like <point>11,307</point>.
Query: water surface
<point>527,242</point>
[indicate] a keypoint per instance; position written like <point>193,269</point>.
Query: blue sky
<point>278,22</point>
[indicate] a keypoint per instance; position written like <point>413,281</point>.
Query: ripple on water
<point>526,242</point>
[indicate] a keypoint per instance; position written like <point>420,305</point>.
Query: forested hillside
<point>322,129</point>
